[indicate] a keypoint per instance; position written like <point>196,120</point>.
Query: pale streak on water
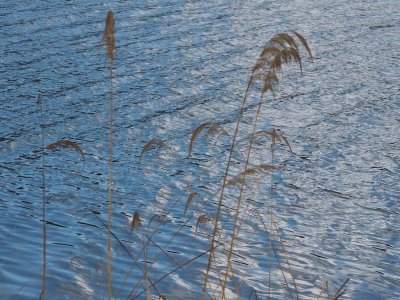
<point>179,64</point>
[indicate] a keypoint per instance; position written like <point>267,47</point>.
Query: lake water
<point>335,199</point>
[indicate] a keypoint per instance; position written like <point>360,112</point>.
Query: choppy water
<point>179,64</point>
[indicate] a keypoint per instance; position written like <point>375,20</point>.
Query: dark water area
<point>179,64</point>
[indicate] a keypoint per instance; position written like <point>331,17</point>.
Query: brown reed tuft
<point>108,35</point>
<point>136,222</point>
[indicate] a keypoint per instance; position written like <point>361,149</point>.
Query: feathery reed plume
<point>44,234</point>
<point>241,177</point>
<point>159,218</point>
<point>150,144</point>
<point>196,133</point>
<point>275,136</point>
<point>203,219</point>
<point>66,144</point>
<point>108,37</point>
<point>212,128</point>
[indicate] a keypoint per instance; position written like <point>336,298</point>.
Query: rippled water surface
<point>335,199</point>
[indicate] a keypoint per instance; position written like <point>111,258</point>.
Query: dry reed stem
<point>285,253</point>
<point>341,291</point>
<point>224,181</point>
<point>239,200</point>
<point>161,219</point>
<point>174,270</point>
<point>124,248</point>
<point>275,136</point>
<point>44,231</point>
<point>109,38</point>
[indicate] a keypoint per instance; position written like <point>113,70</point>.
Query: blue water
<point>179,64</point>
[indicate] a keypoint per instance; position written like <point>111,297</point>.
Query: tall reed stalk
<point>109,39</point>
<point>44,234</point>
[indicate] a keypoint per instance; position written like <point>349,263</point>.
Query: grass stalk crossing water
<point>44,230</point>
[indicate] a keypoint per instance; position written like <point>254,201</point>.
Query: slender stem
<point>212,247</point>
<point>43,293</point>
<point>110,189</point>
<point>239,200</point>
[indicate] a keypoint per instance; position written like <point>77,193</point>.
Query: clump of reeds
<point>281,49</point>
